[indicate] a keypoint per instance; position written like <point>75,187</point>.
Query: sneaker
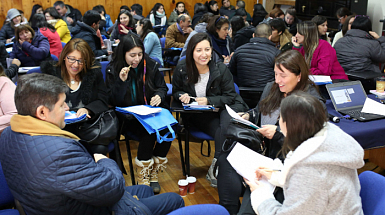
<point>211,177</point>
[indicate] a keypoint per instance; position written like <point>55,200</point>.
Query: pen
<point>191,97</point>
<point>271,170</point>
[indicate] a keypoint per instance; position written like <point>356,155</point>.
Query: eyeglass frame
<point>80,62</point>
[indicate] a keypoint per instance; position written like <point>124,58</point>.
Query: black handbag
<point>101,131</point>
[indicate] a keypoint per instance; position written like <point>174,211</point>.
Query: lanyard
<point>144,83</point>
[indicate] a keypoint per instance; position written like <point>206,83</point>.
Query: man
<point>69,14</point>
<point>253,64</point>
<point>177,33</point>
<point>227,9</point>
<point>136,12</point>
<point>242,4</point>
<point>50,172</point>
<point>86,30</point>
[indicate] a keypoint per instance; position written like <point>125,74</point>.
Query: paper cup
<point>380,84</point>
<point>191,184</point>
<point>183,186</point>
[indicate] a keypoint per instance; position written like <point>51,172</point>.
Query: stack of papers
<point>26,69</point>
<point>239,119</point>
<point>139,109</point>
<point>379,95</point>
<point>321,79</point>
<point>70,117</point>
<point>195,106</point>
<point>371,106</point>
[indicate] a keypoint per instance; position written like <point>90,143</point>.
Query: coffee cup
<point>380,84</point>
<point>183,186</point>
<point>191,184</point>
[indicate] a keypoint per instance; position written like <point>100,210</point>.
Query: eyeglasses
<point>73,60</point>
<point>339,20</point>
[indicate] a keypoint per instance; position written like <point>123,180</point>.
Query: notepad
<point>139,109</point>
<point>246,161</point>
<point>321,79</point>
<point>195,106</point>
<point>70,117</point>
<point>239,119</point>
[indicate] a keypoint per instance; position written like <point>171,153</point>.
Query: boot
<point>159,165</point>
<point>143,169</point>
<point>211,177</point>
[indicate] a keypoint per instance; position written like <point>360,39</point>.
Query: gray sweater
<point>319,177</point>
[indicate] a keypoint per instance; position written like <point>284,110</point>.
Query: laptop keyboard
<point>355,113</point>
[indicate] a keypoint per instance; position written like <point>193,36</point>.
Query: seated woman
<point>7,32</point>
<point>240,33</point>
<point>322,27</point>
<point>38,22</point>
<point>124,25</point>
<point>319,54</point>
<point>212,84</point>
<point>347,25</point>
<point>53,18</point>
<point>30,48</point>
<point>150,40</point>
<point>291,20</point>
<point>87,93</point>
<point>133,78</point>
<point>316,172</point>
<point>291,74</point>
<point>199,10</point>
<point>212,7</point>
<point>259,14</point>
<point>275,13</point>
<point>179,9</point>
<point>280,35</point>
<point>361,49</point>
<point>218,30</point>
<point>7,102</point>
<point>36,9</point>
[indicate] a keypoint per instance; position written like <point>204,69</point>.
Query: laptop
<point>348,98</point>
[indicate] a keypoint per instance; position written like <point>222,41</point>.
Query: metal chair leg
<point>181,154</point>
<point>187,152</point>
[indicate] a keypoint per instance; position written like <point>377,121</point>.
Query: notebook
<point>348,98</point>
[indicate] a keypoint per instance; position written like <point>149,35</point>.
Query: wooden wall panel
<point>111,6</point>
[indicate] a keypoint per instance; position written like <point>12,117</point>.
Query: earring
<point>298,80</point>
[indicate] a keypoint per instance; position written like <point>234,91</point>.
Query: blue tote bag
<point>156,122</point>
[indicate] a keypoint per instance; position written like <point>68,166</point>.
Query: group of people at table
<point>314,171</point>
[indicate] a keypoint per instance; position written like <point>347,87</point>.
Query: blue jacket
<point>109,23</point>
<point>37,50</point>
<point>152,46</point>
<point>85,32</point>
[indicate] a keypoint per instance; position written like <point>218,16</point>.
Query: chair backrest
<point>34,70</point>
<point>157,60</point>
<point>63,44</point>
<point>201,209</point>
<point>6,196</point>
<point>236,88</point>
<point>184,57</point>
<point>54,57</point>
<point>104,67</point>
<point>372,193</point>
<point>163,42</point>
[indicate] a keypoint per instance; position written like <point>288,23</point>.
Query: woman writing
<point>53,18</point>
<point>212,84</point>
<point>319,54</point>
<point>124,25</point>
<point>150,40</point>
<point>7,32</point>
<point>316,171</point>
<point>7,102</point>
<point>179,9</point>
<point>291,74</point>
<point>87,93</point>
<point>133,78</point>
<point>218,29</point>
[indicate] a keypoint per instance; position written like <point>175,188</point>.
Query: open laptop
<point>348,98</point>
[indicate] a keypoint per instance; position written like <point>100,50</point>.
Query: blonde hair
<point>309,30</point>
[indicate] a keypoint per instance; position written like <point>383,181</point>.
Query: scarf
<point>220,45</point>
<point>161,16</point>
<point>53,21</point>
<point>120,28</point>
<point>36,127</point>
<point>179,28</point>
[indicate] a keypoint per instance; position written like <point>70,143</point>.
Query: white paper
<point>374,107</point>
<point>350,90</point>
<point>320,78</point>
<point>142,110</point>
<point>69,115</point>
<point>246,161</point>
<point>195,105</point>
<point>341,96</point>
<point>26,69</point>
<point>238,118</point>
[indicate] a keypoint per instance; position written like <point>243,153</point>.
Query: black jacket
<point>85,32</point>
<point>220,87</point>
<point>93,92</point>
<point>6,32</point>
<point>253,63</point>
<point>227,11</point>
<point>74,14</point>
<point>120,93</point>
<point>196,18</point>
<point>293,27</point>
<point>358,51</point>
<point>243,36</point>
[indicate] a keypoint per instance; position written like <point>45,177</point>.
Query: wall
<point>376,11</point>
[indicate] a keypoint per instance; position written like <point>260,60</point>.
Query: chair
<point>104,67</point>
<point>201,209</point>
<point>63,44</point>
<point>168,54</point>
<point>34,70</point>
<point>251,95</point>
<point>6,197</point>
<point>54,57</point>
<point>372,193</point>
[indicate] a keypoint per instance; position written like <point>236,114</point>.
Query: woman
<point>322,27</point>
<point>291,74</point>
<point>212,7</point>
<point>7,102</point>
<point>30,48</point>
<point>87,93</point>
<point>36,9</point>
<point>259,14</point>
<point>7,32</point>
<point>38,22</point>
<point>218,30</point>
<point>280,35</point>
<point>179,9</point>
<point>124,25</point>
<point>345,27</point>
<point>316,171</point>
<point>150,40</point>
<point>199,10</point>
<point>105,17</point>
<point>291,20</point>
<point>240,33</point>
<point>319,54</point>
<point>212,84</point>
<point>361,49</point>
<point>158,15</point>
<point>342,14</point>
<point>275,13</point>
<point>133,79</point>
<point>53,18</point>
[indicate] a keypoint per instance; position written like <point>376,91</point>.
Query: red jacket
<point>325,62</point>
<point>54,41</point>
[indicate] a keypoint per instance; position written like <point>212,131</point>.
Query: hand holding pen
<point>123,74</point>
<point>185,98</point>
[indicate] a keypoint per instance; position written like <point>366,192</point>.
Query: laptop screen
<point>347,95</point>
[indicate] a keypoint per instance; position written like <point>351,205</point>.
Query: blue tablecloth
<point>369,134</point>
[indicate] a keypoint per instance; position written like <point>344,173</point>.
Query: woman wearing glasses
<point>218,30</point>
<point>87,93</point>
<point>361,49</point>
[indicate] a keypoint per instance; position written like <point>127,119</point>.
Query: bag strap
<point>165,137</point>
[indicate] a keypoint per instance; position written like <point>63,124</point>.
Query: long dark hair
<point>237,23</point>
<point>191,68</point>
<point>215,23</point>
<point>53,12</point>
<point>176,6</point>
<point>38,21</point>
<point>345,26</point>
<point>259,10</point>
<point>131,22</point>
<point>319,20</point>
<point>146,29</point>
<point>304,116</point>
<point>199,7</point>
<point>211,3</point>
<point>34,9</point>
<point>310,31</point>
<point>156,7</point>
<point>293,61</point>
